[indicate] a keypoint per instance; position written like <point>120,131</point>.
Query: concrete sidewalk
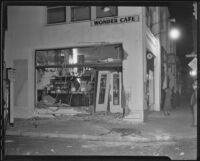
<point>157,127</point>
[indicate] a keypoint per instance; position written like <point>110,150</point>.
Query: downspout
<point>144,47</point>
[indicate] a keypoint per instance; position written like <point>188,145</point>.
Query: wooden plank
<point>92,65</point>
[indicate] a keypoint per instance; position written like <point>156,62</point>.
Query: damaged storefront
<point>78,80</point>
<point>96,63</point>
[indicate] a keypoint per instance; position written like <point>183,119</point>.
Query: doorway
<point>109,89</point>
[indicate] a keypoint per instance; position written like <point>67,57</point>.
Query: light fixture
<point>58,90</point>
<point>174,33</point>
<point>75,55</point>
<point>172,20</point>
<point>193,73</point>
<point>106,9</point>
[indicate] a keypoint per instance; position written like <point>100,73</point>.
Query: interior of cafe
<point>79,77</point>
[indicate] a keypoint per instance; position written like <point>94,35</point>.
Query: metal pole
<point>11,79</point>
<point>11,103</point>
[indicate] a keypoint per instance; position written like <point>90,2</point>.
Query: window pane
<point>116,89</point>
<point>53,57</point>
<point>101,53</point>
<point>101,13</point>
<point>102,88</point>
<point>80,13</point>
<point>56,15</point>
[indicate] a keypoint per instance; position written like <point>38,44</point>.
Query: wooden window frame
<point>55,7</point>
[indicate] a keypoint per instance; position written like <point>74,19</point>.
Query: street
<point>182,149</point>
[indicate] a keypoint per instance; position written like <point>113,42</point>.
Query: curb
<point>99,138</point>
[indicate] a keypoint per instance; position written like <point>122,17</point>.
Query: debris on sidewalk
<point>9,141</point>
<point>69,146</point>
<point>125,131</point>
<point>52,150</point>
<point>156,154</point>
<point>101,116</point>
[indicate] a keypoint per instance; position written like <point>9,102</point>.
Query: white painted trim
<point>82,44</point>
<point>116,108</point>
<point>102,107</point>
<point>153,45</point>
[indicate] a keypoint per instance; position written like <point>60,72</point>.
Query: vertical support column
<point>133,76</point>
<point>157,67</point>
<point>68,14</point>
<point>11,76</point>
<point>93,12</point>
<point>11,103</point>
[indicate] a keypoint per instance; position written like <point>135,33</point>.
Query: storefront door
<point>115,92</point>
<point>103,88</point>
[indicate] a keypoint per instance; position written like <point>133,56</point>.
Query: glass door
<point>102,90</point>
<point>151,90</point>
<point>115,92</point>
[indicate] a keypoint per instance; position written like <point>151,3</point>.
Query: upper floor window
<point>56,14</point>
<point>80,13</point>
<point>106,11</point>
<point>148,16</point>
<point>162,21</point>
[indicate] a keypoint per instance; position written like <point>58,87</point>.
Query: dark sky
<point>182,12</point>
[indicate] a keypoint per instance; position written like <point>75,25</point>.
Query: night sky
<point>182,12</point>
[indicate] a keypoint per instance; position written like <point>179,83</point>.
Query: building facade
<point>160,25</point>
<point>58,51</point>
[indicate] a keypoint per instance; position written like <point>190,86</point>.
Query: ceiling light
<point>106,9</point>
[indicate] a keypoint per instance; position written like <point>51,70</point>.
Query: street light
<point>174,33</point>
<point>193,73</point>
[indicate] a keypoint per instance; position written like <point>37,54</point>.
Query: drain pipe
<point>11,78</point>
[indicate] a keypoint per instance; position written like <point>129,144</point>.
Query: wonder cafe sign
<point>115,20</point>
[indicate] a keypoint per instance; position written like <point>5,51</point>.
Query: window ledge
<point>64,23</point>
<point>53,24</point>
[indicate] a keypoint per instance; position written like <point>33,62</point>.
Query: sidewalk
<point>157,127</point>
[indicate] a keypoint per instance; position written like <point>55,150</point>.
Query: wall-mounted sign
<point>149,56</point>
<point>115,20</point>
<point>193,64</point>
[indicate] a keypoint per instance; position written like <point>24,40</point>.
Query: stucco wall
<point>27,32</point>
<point>153,45</point>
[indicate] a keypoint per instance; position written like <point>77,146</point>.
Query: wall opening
<point>68,78</point>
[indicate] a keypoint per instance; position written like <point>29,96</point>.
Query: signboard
<point>149,55</point>
<point>193,64</point>
<point>115,20</point>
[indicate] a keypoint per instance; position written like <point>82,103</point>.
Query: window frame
<point>53,7</point>
<point>117,13</point>
<point>71,14</point>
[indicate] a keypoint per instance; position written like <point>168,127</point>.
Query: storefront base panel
<point>23,112</point>
<point>135,116</point>
<point>60,111</point>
